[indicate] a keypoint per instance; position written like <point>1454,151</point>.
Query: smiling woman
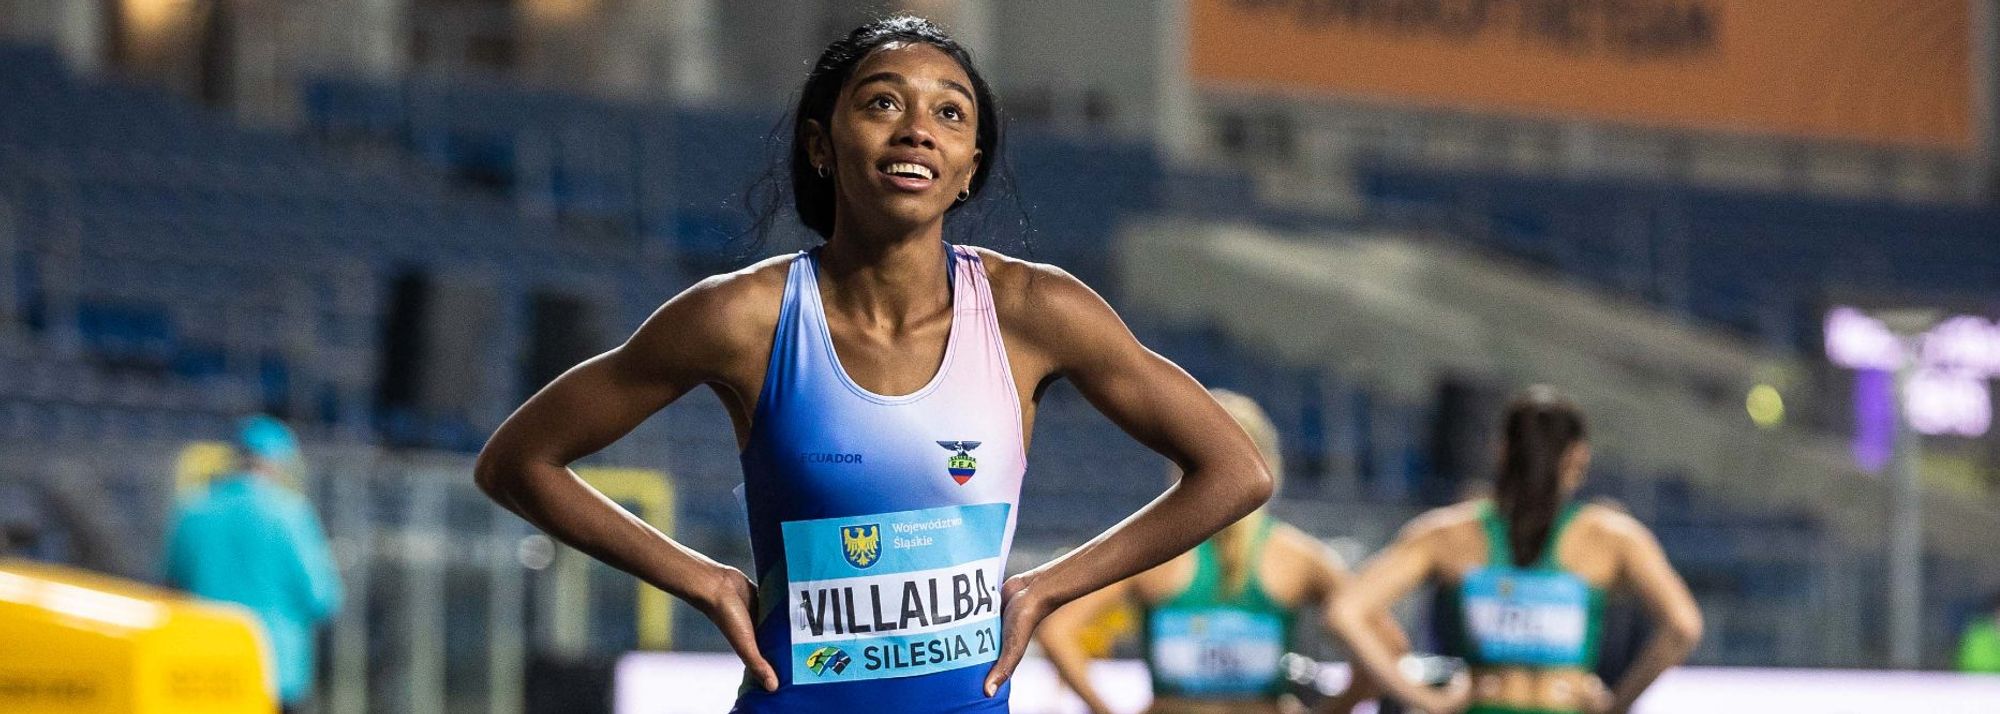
<point>883,388</point>
<point>872,79</point>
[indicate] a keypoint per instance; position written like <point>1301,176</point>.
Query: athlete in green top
<point>1528,569</point>
<point>1217,619</point>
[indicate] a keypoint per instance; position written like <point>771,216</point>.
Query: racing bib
<point>895,594</point>
<point>1527,618</point>
<point>1215,651</point>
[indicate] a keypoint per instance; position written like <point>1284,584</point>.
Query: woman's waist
<point>1508,688</point>
<point>957,690</point>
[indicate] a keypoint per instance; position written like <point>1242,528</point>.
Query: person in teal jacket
<point>248,540</point>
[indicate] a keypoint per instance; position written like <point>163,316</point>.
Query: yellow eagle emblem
<point>861,544</point>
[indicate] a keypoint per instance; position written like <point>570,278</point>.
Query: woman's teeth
<point>910,170</point>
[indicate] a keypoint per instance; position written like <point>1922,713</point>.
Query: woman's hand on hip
<point>730,602</point>
<point>1021,610</point>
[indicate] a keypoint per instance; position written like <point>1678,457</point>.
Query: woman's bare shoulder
<point>1020,284</point>
<point>1445,520</point>
<point>737,306</point>
<point>1610,522</point>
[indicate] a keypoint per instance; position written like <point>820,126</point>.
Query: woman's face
<point>904,138</point>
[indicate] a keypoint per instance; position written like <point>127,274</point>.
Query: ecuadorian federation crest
<point>861,544</point>
<point>961,465</point>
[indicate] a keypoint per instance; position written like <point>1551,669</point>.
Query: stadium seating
<point>1767,262</point>
<point>173,269</point>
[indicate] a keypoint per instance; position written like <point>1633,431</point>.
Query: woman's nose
<point>914,133</point>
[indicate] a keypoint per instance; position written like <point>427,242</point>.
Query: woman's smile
<point>907,172</point>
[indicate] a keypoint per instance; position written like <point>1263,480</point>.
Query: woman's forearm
<point>554,499</point>
<point>1375,656</point>
<point>1662,652</point>
<point>1187,514</point>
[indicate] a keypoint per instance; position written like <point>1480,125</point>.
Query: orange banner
<point>1877,71</point>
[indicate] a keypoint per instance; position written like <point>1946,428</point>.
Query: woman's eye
<point>882,102</point>
<point>952,113</point>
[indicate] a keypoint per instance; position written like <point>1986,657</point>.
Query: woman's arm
<point>1646,571</point>
<point>1336,579</point>
<point>1060,636</point>
<point>525,466</point>
<point>1357,613</point>
<point>1223,478</point>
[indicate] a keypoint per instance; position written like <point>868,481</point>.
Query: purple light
<point>1947,395</point>
<point>1874,418</point>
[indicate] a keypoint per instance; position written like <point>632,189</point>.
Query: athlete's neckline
<point>950,341</point>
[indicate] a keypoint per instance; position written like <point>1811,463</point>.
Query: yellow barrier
<point>652,492</point>
<point>201,462</point>
<point>75,642</point>
<point>1102,633</point>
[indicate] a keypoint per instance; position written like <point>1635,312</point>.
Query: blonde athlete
<point>1217,619</point>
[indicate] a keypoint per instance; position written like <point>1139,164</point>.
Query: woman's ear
<point>818,148</point>
<point>977,156</point>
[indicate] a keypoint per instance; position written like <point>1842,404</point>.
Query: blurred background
<point>1757,240</point>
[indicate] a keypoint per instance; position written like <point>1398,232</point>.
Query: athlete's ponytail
<point>1539,428</point>
<point>1235,545</point>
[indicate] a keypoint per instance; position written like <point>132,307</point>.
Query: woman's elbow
<point>1257,488</point>
<point>1053,636</point>
<point>491,473</point>
<point>1686,631</point>
<point>1346,619</point>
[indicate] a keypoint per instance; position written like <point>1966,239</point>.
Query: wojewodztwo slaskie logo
<point>861,544</point>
